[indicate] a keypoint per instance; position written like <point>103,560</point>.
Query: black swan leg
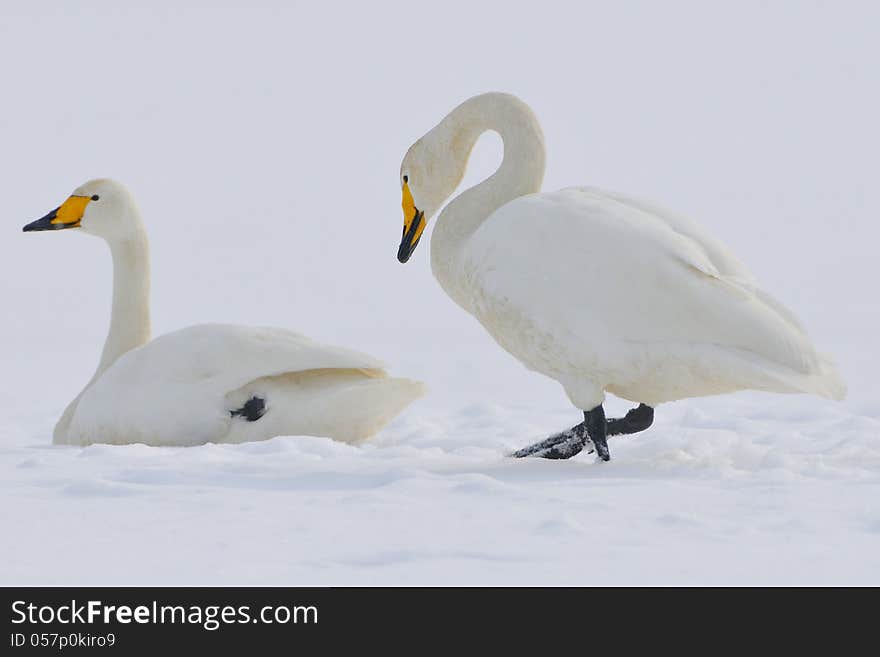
<point>566,444</point>
<point>597,427</point>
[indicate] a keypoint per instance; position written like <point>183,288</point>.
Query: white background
<point>263,143</point>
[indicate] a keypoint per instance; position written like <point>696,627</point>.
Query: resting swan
<point>208,383</point>
<point>597,290</point>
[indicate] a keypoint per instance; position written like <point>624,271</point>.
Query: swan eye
<point>95,197</point>
<point>406,179</point>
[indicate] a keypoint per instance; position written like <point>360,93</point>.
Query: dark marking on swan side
<point>253,409</point>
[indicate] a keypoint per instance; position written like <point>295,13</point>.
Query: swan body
<point>214,382</point>
<point>181,388</point>
<point>598,290</point>
<point>640,307</point>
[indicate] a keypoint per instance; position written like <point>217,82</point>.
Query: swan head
<point>431,170</point>
<point>100,207</point>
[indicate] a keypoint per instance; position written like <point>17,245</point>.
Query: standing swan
<point>208,383</point>
<point>598,290</point>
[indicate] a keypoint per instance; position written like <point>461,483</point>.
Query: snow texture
<point>264,155</point>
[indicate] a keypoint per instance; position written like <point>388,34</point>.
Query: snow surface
<point>263,145</point>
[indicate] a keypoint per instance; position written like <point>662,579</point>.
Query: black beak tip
<point>43,224</point>
<point>407,243</point>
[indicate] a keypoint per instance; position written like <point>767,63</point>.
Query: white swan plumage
<point>208,383</point>
<point>598,290</point>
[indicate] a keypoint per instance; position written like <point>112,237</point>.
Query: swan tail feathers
<point>823,380</point>
<point>830,383</point>
<point>372,403</point>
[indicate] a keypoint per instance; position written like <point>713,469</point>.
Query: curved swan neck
<point>521,171</point>
<point>130,314</point>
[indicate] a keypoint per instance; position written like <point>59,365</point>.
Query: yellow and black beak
<point>413,225</point>
<point>68,215</point>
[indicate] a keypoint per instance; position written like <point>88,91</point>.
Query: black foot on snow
<point>601,449</point>
<point>635,420</point>
<point>593,431</point>
<point>562,445</point>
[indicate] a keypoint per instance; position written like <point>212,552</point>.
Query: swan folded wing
<point>596,274</point>
<point>723,264</point>
<point>723,261</point>
<point>237,354</point>
<point>176,385</point>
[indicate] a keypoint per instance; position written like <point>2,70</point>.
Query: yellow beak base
<point>68,215</point>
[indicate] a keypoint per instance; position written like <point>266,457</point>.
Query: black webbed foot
<point>635,420</point>
<point>562,445</point>
<point>566,444</point>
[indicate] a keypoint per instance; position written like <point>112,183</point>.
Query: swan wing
<point>235,354</point>
<point>725,263</point>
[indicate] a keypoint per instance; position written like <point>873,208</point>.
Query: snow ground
<point>267,174</point>
<point>718,493</point>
